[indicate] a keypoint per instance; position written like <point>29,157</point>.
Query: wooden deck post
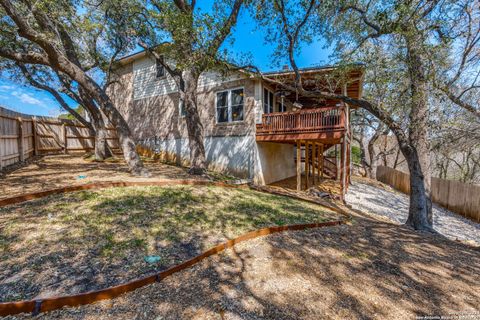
<point>321,161</point>
<point>343,159</point>
<point>314,163</point>
<point>21,142</point>
<point>299,165</point>
<point>307,163</point>
<point>349,163</point>
<point>337,163</point>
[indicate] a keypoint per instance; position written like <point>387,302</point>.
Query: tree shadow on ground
<point>64,170</point>
<point>366,270</point>
<point>91,240</point>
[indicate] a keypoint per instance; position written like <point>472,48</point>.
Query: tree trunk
<point>363,155</point>
<point>102,150</point>
<point>127,143</point>
<point>372,169</point>
<point>93,90</point>
<point>188,92</point>
<point>372,154</point>
<point>397,157</point>
<point>420,214</point>
<point>99,127</point>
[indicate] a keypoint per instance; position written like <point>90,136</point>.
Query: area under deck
<point>326,185</point>
<point>314,132</point>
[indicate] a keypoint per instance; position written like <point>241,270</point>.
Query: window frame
<point>229,106</point>
<point>158,63</point>
<point>279,107</point>
<point>181,114</point>
<point>270,105</point>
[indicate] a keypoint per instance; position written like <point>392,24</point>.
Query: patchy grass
<point>92,239</point>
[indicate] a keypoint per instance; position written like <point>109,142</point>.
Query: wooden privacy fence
<point>23,136</point>
<point>461,198</point>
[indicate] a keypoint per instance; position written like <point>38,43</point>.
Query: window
<point>237,104</point>
<point>267,101</point>
<point>160,69</point>
<point>281,107</point>
<point>230,105</point>
<point>181,108</point>
<point>222,106</point>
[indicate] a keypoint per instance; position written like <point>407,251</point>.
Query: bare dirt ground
<point>367,270</point>
<point>89,240</point>
<point>56,171</point>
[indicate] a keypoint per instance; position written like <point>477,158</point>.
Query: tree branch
<point>225,29</point>
<point>55,94</point>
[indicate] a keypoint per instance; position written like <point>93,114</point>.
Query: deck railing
<point>304,121</point>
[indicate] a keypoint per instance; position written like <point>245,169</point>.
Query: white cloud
<point>28,98</point>
<point>5,88</point>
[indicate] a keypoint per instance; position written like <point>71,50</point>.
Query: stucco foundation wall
<point>273,162</point>
<point>230,154</point>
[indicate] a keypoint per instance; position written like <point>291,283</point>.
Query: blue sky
<point>248,39</point>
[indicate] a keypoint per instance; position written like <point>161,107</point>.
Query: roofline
<point>131,57</point>
<point>310,69</point>
<point>137,55</point>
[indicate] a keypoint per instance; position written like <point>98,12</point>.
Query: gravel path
<point>393,205</point>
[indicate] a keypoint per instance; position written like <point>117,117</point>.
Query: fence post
<point>65,141</point>
<point>35,138</point>
<point>20,140</point>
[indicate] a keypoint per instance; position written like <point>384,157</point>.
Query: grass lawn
<point>89,240</point>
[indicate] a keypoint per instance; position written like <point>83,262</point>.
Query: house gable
<point>147,85</point>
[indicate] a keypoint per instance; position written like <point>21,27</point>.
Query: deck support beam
<point>299,165</point>
<point>314,162</point>
<point>321,161</point>
<point>307,163</point>
<point>343,169</point>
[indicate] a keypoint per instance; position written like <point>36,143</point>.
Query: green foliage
<point>100,32</point>
<point>79,109</point>
<point>190,36</point>
<point>356,155</point>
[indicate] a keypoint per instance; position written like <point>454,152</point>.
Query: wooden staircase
<point>329,167</point>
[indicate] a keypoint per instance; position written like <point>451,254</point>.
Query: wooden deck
<point>313,131</point>
<point>323,124</point>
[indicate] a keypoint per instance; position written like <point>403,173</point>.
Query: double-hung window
<point>267,101</point>
<point>159,68</point>
<point>181,109</point>
<point>230,105</point>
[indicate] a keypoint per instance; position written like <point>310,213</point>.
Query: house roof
<point>313,77</point>
<point>131,57</point>
<point>309,69</point>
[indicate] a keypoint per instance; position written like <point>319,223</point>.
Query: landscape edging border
<point>53,303</point>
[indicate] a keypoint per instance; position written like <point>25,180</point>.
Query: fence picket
<point>461,198</point>
<point>20,140</point>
